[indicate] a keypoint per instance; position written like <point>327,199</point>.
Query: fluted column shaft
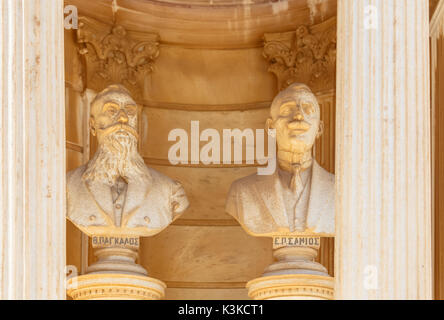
<point>32,150</point>
<point>383,186</point>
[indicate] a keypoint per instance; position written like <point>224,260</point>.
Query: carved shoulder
<point>327,179</point>
<point>240,189</point>
<point>174,189</point>
<point>74,178</point>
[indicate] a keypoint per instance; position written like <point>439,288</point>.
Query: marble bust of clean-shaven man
<point>115,192</point>
<point>298,199</point>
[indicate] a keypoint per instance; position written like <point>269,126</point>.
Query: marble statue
<point>115,193</point>
<point>298,199</point>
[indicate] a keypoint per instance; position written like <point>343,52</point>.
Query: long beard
<point>116,157</point>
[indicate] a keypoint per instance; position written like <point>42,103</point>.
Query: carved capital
<point>307,55</point>
<point>115,55</point>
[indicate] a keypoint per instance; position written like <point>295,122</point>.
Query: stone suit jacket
<point>257,203</point>
<point>149,206</point>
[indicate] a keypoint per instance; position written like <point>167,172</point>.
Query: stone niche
<point>205,254</point>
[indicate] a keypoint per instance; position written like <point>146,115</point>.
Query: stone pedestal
<point>115,286</point>
<point>292,287</point>
<point>295,275</point>
<point>115,259</point>
<point>295,260</point>
<point>115,274</point>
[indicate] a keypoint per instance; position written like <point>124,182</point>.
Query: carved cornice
<point>115,55</point>
<point>307,55</point>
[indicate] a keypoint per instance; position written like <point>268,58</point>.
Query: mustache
<point>120,127</point>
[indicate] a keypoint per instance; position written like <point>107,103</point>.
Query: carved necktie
<point>297,187</point>
<point>296,184</point>
<point>118,192</point>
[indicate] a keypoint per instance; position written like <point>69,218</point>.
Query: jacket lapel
<point>135,196</point>
<point>101,195</point>
<point>319,201</point>
<point>273,198</point>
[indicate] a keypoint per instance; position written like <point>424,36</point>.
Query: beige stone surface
<point>73,247</point>
<point>74,123</point>
<point>188,36</point>
<point>116,256</point>
<point>292,287</point>
<point>223,84</point>
<point>295,274</point>
<point>205,254</point>
<point>74,67</point>
<point>208,294</point>
<point>268,205</point>
<point>74,159</point>
<point>149,201</point>
<point>383,184</point>
<point>157,124</point>
<point>437,72</point>
<point>113,54</point>
<point>32,151</point>
<point>207,77</point>
<point>77,140</point>
<point>306,55</point>
<point>258,204</point>
<point>296,256</point>
<point>115,287</point>
<point>213,182</point>
<point>209,23</point>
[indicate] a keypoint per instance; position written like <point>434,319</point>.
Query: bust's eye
<point>111,111</point>
<point>131,110</point>
<point>307,108</point>
<point>285,111</point>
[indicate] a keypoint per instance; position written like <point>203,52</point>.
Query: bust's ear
<point>92,126</point>
<point>320,129</point>
<point>268,125</point>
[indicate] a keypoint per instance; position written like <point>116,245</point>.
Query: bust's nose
<point>122,118</point>
<point>298,115</point>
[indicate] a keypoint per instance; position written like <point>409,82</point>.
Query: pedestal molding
<point>115,286</point>
<point>301,286</point>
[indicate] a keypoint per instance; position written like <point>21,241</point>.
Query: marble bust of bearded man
<point>115,192</point>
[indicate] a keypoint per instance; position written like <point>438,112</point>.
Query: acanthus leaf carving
<point>114,55</point>
<point>307,55</point>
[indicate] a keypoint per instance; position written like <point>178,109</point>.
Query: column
<point>437,99</point>
<point>32,150</point>
<point>383,183</point>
